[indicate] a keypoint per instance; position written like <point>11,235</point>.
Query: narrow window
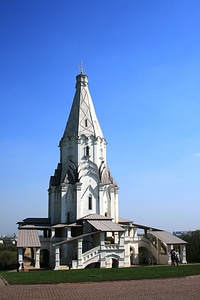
<point>90,202</point>
<point>68,217</point>
<point>86,123</point>
<point>87,150</point>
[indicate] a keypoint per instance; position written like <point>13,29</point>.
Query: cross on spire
<point>81,67</point>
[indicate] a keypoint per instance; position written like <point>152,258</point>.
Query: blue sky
<point>143,63</point>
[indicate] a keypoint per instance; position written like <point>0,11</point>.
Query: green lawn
<point>86,275</point>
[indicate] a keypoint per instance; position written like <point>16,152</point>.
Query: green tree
<point>193,246</point>
<point>8,256</point>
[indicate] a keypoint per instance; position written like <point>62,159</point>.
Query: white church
<point>83,228</point>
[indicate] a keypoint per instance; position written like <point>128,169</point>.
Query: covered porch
<point>163,242</point>
<point>28,238</point>
<point>102,244</point>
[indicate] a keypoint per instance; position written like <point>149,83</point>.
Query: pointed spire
<point>82,118</point>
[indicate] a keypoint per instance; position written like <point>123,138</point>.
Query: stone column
<point>69,235</point>
<point>183,254</point>
<point>53,232</point>
<point>80,250</point>
<point>126,256</point>
<point>122,246</point>
<point>20,257</point>
<point>57,258</point>
<point>135,233</point>
<point>169,247</point>
<point>136,255</point>
<point>102,239</point>
<point>102,253</point>
<point>37,258</point>
<point>121,239</point>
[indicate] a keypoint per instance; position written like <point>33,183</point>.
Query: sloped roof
<point>59,226</point>
<point>105,225</point>
<point>38,227</point>
<point>146,227</point>
<point>28,238</point>
<point>167,237</point>
<point>36,221</point>
<point>95,217</point>
<point>121,220</point>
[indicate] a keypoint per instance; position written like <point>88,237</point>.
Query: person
<point>149,261</point>
<point>18,265</point>
<point>176,256</point>
<point>172,257</point>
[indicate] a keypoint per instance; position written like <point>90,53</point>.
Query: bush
<point>8,257</point>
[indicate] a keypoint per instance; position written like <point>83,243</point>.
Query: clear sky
<point>143,62</point>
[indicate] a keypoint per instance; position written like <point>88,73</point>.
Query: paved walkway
<point>186,288</point>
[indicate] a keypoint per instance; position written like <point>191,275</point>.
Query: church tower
<point>82,183</point>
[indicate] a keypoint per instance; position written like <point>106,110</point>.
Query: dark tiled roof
<point>38,227</point>
<point>36,221</point>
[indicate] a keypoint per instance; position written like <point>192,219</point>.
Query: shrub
<point>8,258</point>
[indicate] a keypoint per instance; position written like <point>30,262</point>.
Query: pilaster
<point>101,202</point>
<point>78,200</point>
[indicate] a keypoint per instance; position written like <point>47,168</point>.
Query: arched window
<point>87,151</point>
<point>90,202</point>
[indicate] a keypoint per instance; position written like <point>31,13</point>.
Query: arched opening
<point>93,265</point>
<point>115,263</point>
<point>28,257</point>
<point>143,255</point>
<point>44,258</point>
<point>112,262</point>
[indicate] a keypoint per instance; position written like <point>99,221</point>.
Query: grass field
<point>89,275</point>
